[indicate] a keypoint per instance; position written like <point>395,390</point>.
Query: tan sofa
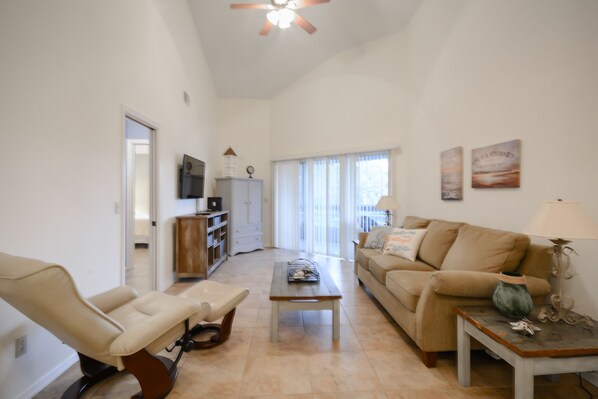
<point>457,265</point>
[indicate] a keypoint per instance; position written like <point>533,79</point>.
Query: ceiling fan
<point>282,13</point>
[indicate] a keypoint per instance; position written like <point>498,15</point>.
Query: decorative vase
<point>511,297</point>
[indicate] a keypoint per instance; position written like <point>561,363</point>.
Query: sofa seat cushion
<point>363,255</point>
<point>485,250</point>
<point>438,240</point>
<point>382,264</point>
<point>407,286</point>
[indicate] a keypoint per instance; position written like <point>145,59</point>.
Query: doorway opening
<point>140,206</point>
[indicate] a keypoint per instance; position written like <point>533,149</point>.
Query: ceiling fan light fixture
<point>273,17</point>
<point>282,13</point>
<point>285,17</point>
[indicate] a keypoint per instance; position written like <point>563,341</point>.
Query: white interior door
<point>140,206</point>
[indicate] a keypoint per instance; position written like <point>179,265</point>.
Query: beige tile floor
<point>373,359</point>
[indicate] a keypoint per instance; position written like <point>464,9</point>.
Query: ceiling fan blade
<point>266,28</point>
<point>302,22</point>
<point>307,3</point>
<point>252,6</point>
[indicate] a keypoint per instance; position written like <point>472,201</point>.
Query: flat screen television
<point>191,178</point>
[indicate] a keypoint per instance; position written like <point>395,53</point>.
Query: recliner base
<point>155,374</point>
<point>221,332</point>
<point>93,372</point>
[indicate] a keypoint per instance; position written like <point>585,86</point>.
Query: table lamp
<point>387,203</point>
<point>561,222</point>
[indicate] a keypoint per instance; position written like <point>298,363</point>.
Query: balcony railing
<point>368,216</point>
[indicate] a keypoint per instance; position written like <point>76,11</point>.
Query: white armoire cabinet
<point>243,199</point>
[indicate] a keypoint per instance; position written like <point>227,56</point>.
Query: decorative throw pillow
<point>404,243</point>
<point>377,236</point>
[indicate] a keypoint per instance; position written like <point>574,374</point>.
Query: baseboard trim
<point>49,378</point>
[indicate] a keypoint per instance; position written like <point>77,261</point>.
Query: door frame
<point>153,127</point>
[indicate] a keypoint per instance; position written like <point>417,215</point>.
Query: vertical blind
<point>320,204</point>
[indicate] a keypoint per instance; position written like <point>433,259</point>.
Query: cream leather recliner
<point>111,331</point>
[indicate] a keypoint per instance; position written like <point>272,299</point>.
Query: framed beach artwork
<point>496,166</point>
<point>451,174</point>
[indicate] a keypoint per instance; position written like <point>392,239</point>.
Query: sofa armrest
<point>112,299</point>
<point>435,322</point>
<point>362,239</point>
<point>479,284</point>
<point>153,327</point>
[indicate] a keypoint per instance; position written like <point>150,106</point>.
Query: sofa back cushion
<point>438,240</point>
<point>485,250</point>
<point>414,222</point>
<point>537,261</point>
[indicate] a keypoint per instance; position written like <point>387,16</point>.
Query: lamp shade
<point>566,220</point>
<point>387,202</point>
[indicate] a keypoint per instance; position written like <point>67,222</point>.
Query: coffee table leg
<point>463,354</point>
<point>524,378</point>
<point>336,322</point>
<point>274,322</point>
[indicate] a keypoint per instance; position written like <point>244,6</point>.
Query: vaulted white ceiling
<point>247,65</point>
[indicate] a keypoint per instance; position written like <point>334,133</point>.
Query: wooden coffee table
<point>322,295</point>
<point>558,348</point>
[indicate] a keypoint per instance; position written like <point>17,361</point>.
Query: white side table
<point>558,348</point>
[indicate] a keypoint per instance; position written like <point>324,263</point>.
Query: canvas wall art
<point>497,165</point>
<point>451,174</point>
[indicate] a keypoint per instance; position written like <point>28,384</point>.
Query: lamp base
<point>556,312</point>
<point>561,305</point>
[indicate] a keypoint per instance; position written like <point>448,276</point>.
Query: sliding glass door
<point>321,204</point>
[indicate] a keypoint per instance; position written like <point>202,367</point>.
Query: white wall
<point>501,70</point>
<point>244,125</point>
<point>69,69</point>
<point>468,73</point>
<point>347,104</point>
